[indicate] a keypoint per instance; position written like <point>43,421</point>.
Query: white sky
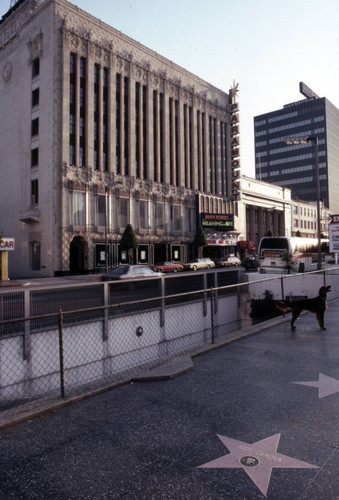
<point>268,46</point>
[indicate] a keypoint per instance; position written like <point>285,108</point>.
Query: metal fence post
<point>61,356</point>
<point>282,288</point>
<point>212,317</point>
<point>163,302</point>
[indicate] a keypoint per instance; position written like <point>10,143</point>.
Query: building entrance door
<point>78,249</point>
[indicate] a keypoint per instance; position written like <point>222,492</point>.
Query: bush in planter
<point>263,309</point>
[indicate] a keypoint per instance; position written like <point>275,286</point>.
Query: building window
<point>34,157</point>
<point>126,104</point>
<point>123,212</point>
<point>190,220</point>
<point>161,137</point>
<point>82,128</point>
<point>176,217</point>
<point>35,67</point>
<point>155,135</point>
<point>143,214</point>
<point>35,97</point>
<point>100,210</point>
<point>35,192</point>
<point>144,130</point>
<point>35,256</point>
<point>96,116</point>
<point>117,122</point>
<point>105,121</point>
<point>77,209</point>
<point>137,129</point>
<point>35,127</point>
<point>159,216</point>
<point>72,98</point>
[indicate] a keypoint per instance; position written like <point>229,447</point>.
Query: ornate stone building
<point>101,131</point>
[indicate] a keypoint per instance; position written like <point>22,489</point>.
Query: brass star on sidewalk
<point>327,385</point>
<point>257,459</point>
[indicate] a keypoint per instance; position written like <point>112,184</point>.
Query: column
<point>131,123</point>
<point>199,152</point>
<point>65,105</point>
<point>157,138</point>
<point>217,156</point>
<point>149,127</point>
<point>77,110</point>
<point>194,147</point>
<point>165,130</point>
<point>100,118</point>
<point>172,145</point>
<point>205,153</point>
<point>187,146</point>
<point>89,146</point>
<point>111,117</point>
<point>181,156</point>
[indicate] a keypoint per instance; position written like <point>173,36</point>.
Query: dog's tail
<point>282,306</point>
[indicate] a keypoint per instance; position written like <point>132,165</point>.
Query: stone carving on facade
<point>7,71</point>
<point>35,47</point>
<point>77,185</point>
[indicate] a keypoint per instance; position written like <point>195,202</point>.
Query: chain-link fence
<point>62,354</point>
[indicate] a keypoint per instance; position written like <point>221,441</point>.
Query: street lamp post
<point>305,140</point>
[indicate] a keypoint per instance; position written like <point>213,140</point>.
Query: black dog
<point>317,305</point>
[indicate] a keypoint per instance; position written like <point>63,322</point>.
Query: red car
<point>167,267</point>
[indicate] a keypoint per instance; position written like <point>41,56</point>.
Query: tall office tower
<point>294,166</point>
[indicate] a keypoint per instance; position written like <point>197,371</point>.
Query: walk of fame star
<point>327,385</point>
<point>257,459</point>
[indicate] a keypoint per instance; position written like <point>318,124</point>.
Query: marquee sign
<point>218,222</point>
<point>235,142</point>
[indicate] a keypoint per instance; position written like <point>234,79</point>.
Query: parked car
<point>168,267</point>
<point>204,263</point>
<point>126,271</point>
<point>228,261</point>
<point>251,263</point>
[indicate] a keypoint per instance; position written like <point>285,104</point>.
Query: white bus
<point>303,252</point>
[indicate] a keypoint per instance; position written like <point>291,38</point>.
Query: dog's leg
<point>295,315</point>
<point>320,318</point>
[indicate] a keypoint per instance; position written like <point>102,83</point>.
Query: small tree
<point>298,234</point>
<point>129,242</point>
<point>200,240</point>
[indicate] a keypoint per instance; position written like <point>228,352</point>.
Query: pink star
<point>327,385</point>
<point>257,459</point>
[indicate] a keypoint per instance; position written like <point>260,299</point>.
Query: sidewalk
<point>255,418</point>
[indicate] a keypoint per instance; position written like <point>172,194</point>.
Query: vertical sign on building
<point>235,141</point>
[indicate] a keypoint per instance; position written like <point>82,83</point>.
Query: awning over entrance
<point>246,245</point>
<point>222,242</point>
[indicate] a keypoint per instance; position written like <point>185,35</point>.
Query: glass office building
<point>294,166</point>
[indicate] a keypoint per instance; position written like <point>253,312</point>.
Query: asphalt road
<point>255,419</point>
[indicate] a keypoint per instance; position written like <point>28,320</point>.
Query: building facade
<point>101,131</point>
<point>264,209</point>
<point>304,219</point>
<point>294,166</point>
<point>269,209</point>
